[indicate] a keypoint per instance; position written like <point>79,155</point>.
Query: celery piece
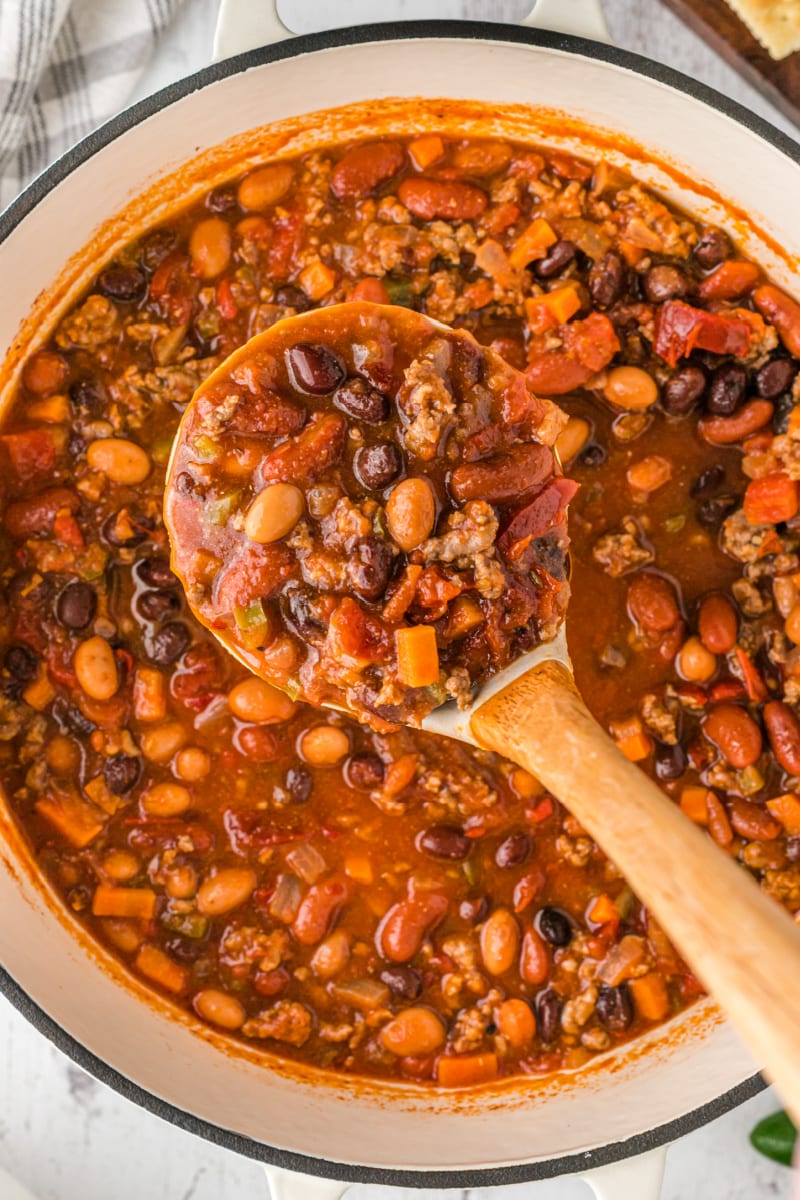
<point>219,510</point>
<point>399,291</point>
<point>205,446</point>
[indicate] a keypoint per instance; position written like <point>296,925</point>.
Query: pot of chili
<point>228,858</point>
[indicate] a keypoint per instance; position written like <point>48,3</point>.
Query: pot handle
<point>637,1178</point>
<point>287,1185</point>
<point>584,18</point>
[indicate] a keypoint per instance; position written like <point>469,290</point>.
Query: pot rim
<point>20,208</point>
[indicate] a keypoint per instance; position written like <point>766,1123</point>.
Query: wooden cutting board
<point>718,25</point>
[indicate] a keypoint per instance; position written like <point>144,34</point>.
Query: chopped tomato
<point>771,499</point>
<point>31,451</point>
<point>588,346</point>
<point>680,328</point>
<point>546,510</point>
<point>174,287</point>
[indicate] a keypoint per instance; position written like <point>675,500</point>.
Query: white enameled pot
<point>701,151</point>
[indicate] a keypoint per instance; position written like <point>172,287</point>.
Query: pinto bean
<point>265,186</point>
<point>734,732</point>
<point>401,932</point>
<point>503,477</point>
<point>363,169</point>
<point>230,888</point>
<point>481,158</point>
<point>783,731</point>
<point>718,623</point>
<point>411,512</point>
<point>319,909</point>
<point>35,515</point>
<point>726,431</point>
<point>415,1031</point>
<point>96,668</point>
<point>210,247</point>
<point>516,1022</point>
<point>652,602</point>
<point>220,1008</point>
<point>449,200</point>
<point>500,940</point>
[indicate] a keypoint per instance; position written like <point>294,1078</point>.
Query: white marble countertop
<point>68,1137</point>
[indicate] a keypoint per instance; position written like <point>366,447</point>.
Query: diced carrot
<point>540,811</point>
<point>417,656</point>
<point>161,969</point>
<point>110,901</point>
<point>771,499</point>
<point>756,688</point>
<point>649,473</point>
<point>317,279</point>
<point>694,803</point>
<point>149,694</point>
<point>52,410</point>
<point>466,1070</point>
<point>631,252</point>
<point>786,809</point>
<point>426,150</point>
<point>602,909</point>
<point>74,819</point>
<point>637,747</point>
<point>359,868</point>
<point>731,279</point>
<point>793,427</point>
<point>650,996</point>
<point>40,692</point>
<point>370,289</point>
<point>552,308</point>
<point>532,243</point>
<point>402,597</point>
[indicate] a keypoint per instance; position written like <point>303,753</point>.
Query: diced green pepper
<point>775,1137</point>
<point>205,446</point>
<point>218,511</point>
<point>399,291</point>
<point>750,780</point>
<point>675,524</point>
<point>189,924</point>
<point>251,616</point>
<point>161,450</point>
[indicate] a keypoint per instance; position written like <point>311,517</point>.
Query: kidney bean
<point>548,1015</point>
<point>614,1007</point>
<point>554,926</point>
<point>559,256</point>
<point>513,851</point>
<point>443,841</point>
<point>751,821</point>
<point>123,283</point>
<point>364,771</point>
<point>449,200</point>
<point>21,662</point>
<point>121,772</point>
<point>534,963</point>
<point>404,982</point>
<point>364,168</point>
<point>652,602</point>
<point>718,623</point>
<point>358,399</point>
<point>500,940</point>
<point>725,431</point>
<point>670,761</point>
<point>474,909</point>
<point>35,515</point>
<point>735,734</point>
<point>272,983</point>
<point>683,391</point>
<point>607,279</point>
<point>306,456</point>
<point>713,247</point>
<point>401,932</point>
<point>76,605</point>
<point>256,743</point>
<point>726,390</point>
<point>504,477</point>
<point>155,573</point>
<point>378,465</point>
<point>319,908</point>
<point>169,643</point>
<point>314,369</point>
<point>665,282</point>
<point>783,731</point>
<point>299,784</point>
<point>783,312</point>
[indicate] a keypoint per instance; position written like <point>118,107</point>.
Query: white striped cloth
<point>65,67</point>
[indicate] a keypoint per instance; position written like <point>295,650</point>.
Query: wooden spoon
<point>741,943</point>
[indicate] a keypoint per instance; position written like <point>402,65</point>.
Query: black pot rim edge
<point>9,219</point>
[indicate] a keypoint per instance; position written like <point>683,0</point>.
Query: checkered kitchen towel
<point>65,67</point>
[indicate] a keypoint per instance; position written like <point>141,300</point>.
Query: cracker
<point>776,23</point>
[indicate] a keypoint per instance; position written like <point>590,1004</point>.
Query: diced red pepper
<point>67,531</point>
<point>286,241</point>
<point>680,328</point>
<point>547,509</point>
<point>31,452</point>
<point>225,301</point>
<point>356,636</point>
<point>771,499</point>
<point>756,688</point>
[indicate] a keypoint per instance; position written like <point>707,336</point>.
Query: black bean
<point>607,279</point>
<point>559,256</point>
<point>156,246</point>
<point>293,297</point>
<point>185,949</point>
<point>121,772</point>
<point>358,399</point>
<point>793,849</point>
<point>88,394</point>
<point>70,719</point>
<point>727,389</point>
<point>314,369</point>
<point>299,784</point>
<point>548,1015</point>
<point>474,909</point>
<point>404,982</point>
<point>670,761</point>
<point>554,926</point>
<point>364,771</point>
<point>593,455</point>
<point>513,851</point>
<point>708,481</point>
<point>155,573</point>
<point>369,567</point>
<point>186,484</point>
<point>376,466</point>
<point>169,643</point>
<point>299,610</point>
<point>221,200</point>
<point>775,377</point>
<point>443,841</point>
<point>157,606</point>
<point>614,1007</point>
<point>784,407</point>
<point>664,282</point>
<point>76,444</point>
<point>21,662</point>
<point>712,513</point>
<point>122,283</point>
<point>713,248</point>
<point>76,605</point>
<point>125,529</point>
<point>682,392</point>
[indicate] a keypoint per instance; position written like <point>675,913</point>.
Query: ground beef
<point>426,400</point>
<point>621,551</point>
<point>93,324</point>
<point>287,1021</point>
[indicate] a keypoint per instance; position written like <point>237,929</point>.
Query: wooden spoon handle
<point>740,942</point>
